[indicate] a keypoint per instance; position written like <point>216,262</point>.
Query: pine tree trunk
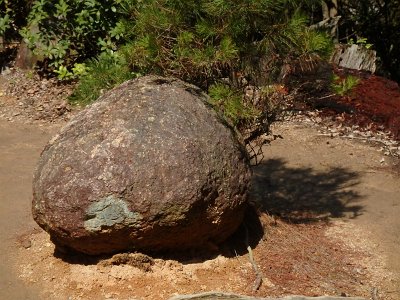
<point>329,11</point>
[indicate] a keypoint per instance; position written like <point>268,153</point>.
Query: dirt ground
<point>332,228</point>
<point>328,200</point>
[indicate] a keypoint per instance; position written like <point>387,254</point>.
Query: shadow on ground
<point>304,195</point>
<point>296,195</point>
<point>249,233</point>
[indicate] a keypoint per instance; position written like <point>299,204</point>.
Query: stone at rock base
<point>147,167</point>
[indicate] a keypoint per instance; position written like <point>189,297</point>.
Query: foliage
<point>229,102</point>
<point>99,75</point>
<point>4,24</point>
<point>361,42</point>
<point>379,22</point>
<point>65,32</point>
<point>77,71</point>
<point>315,43</point>
<point>13,15</point>
<point>202,41</point>
<point>220,45</point>
<point>344,86</point>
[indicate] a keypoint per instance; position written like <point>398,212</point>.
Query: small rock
<point>26,243</point>
<point>137,260</point>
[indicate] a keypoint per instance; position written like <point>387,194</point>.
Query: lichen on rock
<point>109,212</point>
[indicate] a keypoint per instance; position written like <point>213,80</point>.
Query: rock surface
<point>147,167</point>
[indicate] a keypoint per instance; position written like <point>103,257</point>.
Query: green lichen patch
<point>109,212</point>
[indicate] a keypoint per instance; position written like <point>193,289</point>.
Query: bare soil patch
<point>294,259</point>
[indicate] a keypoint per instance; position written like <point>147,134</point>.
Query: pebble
<point>26,243</point>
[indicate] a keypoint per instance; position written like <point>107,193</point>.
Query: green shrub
<point>344,86</point>
<point>202,41</point>
<point>101,74</point>
<point>229,103</point>
<point>64,32</point>
<point>13,15</point>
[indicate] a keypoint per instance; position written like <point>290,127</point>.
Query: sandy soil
<point>329,210</point>
<point>20,146</point>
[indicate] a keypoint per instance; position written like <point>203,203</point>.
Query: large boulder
<point>148,167</point>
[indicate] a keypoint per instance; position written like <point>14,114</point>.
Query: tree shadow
<point>304,195</point>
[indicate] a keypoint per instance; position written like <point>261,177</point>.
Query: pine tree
<point>223,46</point>
<point>202,41</point>
<point>220,44</point>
